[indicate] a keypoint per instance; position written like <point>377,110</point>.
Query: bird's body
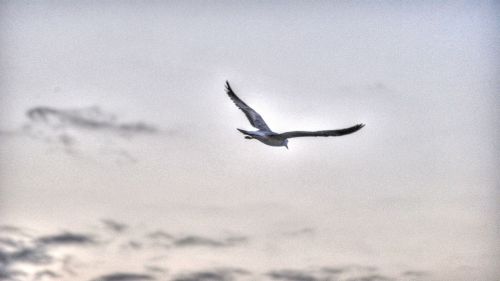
<point>267,136</point>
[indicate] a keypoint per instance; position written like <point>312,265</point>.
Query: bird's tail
<point>247,134</point>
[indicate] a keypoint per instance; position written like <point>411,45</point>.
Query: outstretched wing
<point>252,115</point>
<point>328,133</point>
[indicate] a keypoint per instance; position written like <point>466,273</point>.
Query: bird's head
<point>285,144</point>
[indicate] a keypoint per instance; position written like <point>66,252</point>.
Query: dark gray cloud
<point>194,240</point>
<point>333,270</point>
<point>220,274</point>
<point>12,275</point>
<point>371,277</point>
<point>415,274</point>
<point>90,118</point>
<point>31,255</point>
<point>329,273</point>
<point>66,238</point>
<point>114,225</point>
<point>42,252</point>
<point>17,249</point>
<point>78,130</point>
<point>292,275</point>
<point>134,245</point>
<point>124,276</point>
<point>22,255</point>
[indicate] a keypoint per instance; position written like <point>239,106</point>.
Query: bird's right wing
<point>255,119</point>
<point>328,133</point>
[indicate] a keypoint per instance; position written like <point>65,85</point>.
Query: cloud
<point>155,269</point>
<point>344,273</point>
<point>12,275</point>
<point>160,235</point>
<point>32,255</point>
<point>66,238</point>
<point>114,225</point>
<point>291,275</point>
<point>10,228</point>
<point>42,254</point>
<point>69,126</point>
<point>333,270</point>
<point>41,258</point>
<point>6,242</point>
<point>220,274</point>
<point>81,130</point>
<point>415,274</point>
<point>14,230</point>
<point>121,276</point>
<point>134,245</point>
<point>371,277</point>
<point>18,249</point>
<point>46,274</point>
<point>194,240</point>
<point>160,238</point>
<point>88,118</point>
<point>10,259</point>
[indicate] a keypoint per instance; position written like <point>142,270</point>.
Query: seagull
<point>265,135</point>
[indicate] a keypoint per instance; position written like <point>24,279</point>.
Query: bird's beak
<point>286,145</point>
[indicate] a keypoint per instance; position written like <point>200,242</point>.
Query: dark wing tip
<point>358,127</point>
<point>228,87</point>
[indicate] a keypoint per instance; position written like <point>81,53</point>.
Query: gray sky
<point>412,196</point>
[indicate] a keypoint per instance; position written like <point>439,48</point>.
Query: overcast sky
<point>116,111</point>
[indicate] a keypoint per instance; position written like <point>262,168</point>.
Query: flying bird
<point>265,135</point>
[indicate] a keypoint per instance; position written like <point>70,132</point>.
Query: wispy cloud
<point>218,274</point>
<point>32,255</point>
<point>124,276</point>
<point>415,274</point>
<point>371,277</point>
<point>19,250</point>
<point>66,238</point>
<point>114,225</point>
<point>14,230</point>
<point>11,275</point>
<point>77,131</point>
<point>340,273</point>
<point>69,127</point>
<point>57,256</point>
<point>193,240</point>
<point>160,235</point>
<point>89,118</point>
<point>291,275</point>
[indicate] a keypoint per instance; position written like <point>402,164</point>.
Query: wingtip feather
<point>228,87</point>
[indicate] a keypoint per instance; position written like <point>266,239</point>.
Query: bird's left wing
<point>327,133</point>
<point>255,119</point>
